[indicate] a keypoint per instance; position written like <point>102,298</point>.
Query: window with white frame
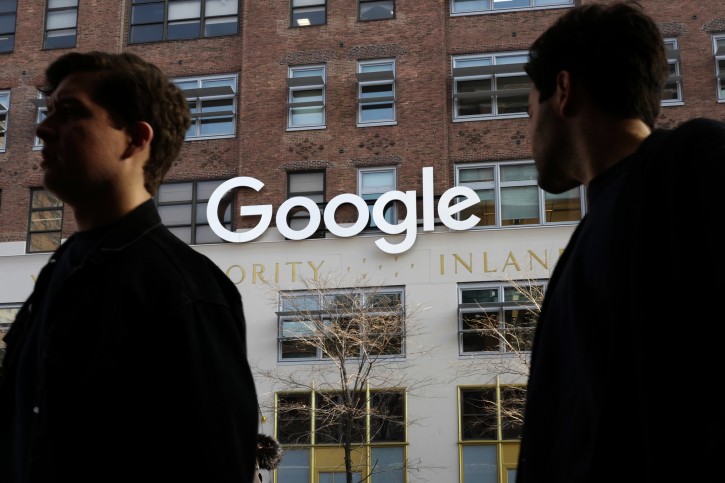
<point>182,207</point>
<point>8,10</point>
<point>45,221</point>
<point>8,312</point>
<point>306,13</point>
<point>719,49</point>
<point>491,421</point>
<point>373,183</point>
<point>4,108</point>
<point>339,324</point>
<point>468,7</point>
<point>376,9</point>
<point>490,86</point>
<point>156,21</point>
<point>310,430</point>
<point>510,196</point>
<point>41,110</point>
<point>213,105</point>
<point>61,19</point>
<point>309,184</point>
<point>499,318</point>
<point>306,101</point>
<point>376,92</point>
<point>672,93</point>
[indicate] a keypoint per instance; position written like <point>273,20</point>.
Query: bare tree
<point>357,338</point>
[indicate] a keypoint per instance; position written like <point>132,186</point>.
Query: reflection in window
<point>60,24</point>
<point>155,21</point>
<point>182,207</point>
<point>481,6</point>
<point>306,13</point>
<point>491,85</point>
<point>509,196</point>
<point>8,9</point>
<point>212,104</point>
<point>45,221</point>
<point>4,107</point>
<point>719,43</point>
<point>376,9</point>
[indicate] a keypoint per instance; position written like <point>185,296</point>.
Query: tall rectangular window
<point>468,7</point>
<point>45,221</point>
<point>672,93</point>
<point>159,20</point>
<point>509,196</point>
<point>719,49</point>
<point>213,105</point>
<point>490,86</point>
<point>376,9</point>
<point>306,13</point>
<point>182,206</point>
<point>308,184</point>
<point>490,420</point>
<point>41,110</point>
<point>376,92</point>
<point>4,107</point>
<point>8,9</point>
<point>306,98</point>
<point>60,24</point>
<point>372,183</point>
<point>498,317</point>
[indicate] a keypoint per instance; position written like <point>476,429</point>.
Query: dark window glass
<point>150,13</point>
<point>147,33</point>
<point>377,10</point>
<point>294,419</point>
<point>184,30</point>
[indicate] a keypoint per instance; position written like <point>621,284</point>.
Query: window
<point>510,196</point>
<point>306,102</point>
<point>463,7</point>
<point>490,420</point>
<point>498,317</point>
<point>720,66</point>
<point>182,207</point>
<point>376,92</point>
<point>45,221</point>
<point>375,9</point>
<point>379,428</point>
<point>8,9</point>
<point>155,21</point>
<point>372,183</point>
<point>60,24</point>
<point>41,110</point>
<point>490,86</point>
<point>4,107</point>
<point>212,102</point>
<point>7,316</point>
<point>672,93</point>
<point>306,13</point>
<point>309,184</point>
<point>340,324</point>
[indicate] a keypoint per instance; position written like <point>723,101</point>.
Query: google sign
<point>447,209</point>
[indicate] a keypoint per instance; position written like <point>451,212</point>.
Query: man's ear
<point>565,96</point>
<point>140,136</point>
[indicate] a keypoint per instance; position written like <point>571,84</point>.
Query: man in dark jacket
<point>626,354</point>
<point>128,361</point>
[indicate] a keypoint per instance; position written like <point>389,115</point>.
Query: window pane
<point>294,466</point>
<point>62,3</point>
<point>377,182</point>
<point>376,10</point>
<point>306,182</point>
<point>7,43</point>
<point>183,30</point>
<point>46,220</point>
<point>204,234</point>
<point>147,33</point>
<point>182,232</point>
<point>307,116</point>
<point>463,6</point>
<point>150,13</point>
<point>61,20</point>
<point>563,207</point>
<point>7,24</point>
<point>214,27</point>
<point>304,17</point>
<point>175,214</point>
<point>500,4</point>
<point>479,414</point>
<point>389,464</point>
<point>8,6</point>
<point>479,464</point>
<point>520,205</point>
<point>294,422</point>
<point>217,126</point>
<point>43,242</point>
<point>479,296</point>
<point>216,8</point>
<point>377,112</point>
<point>169,192</point>
<point>184,10</point>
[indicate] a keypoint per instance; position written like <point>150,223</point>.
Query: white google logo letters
<point>447,210</point>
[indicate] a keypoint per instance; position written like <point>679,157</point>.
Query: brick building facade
<point>320,98</point>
